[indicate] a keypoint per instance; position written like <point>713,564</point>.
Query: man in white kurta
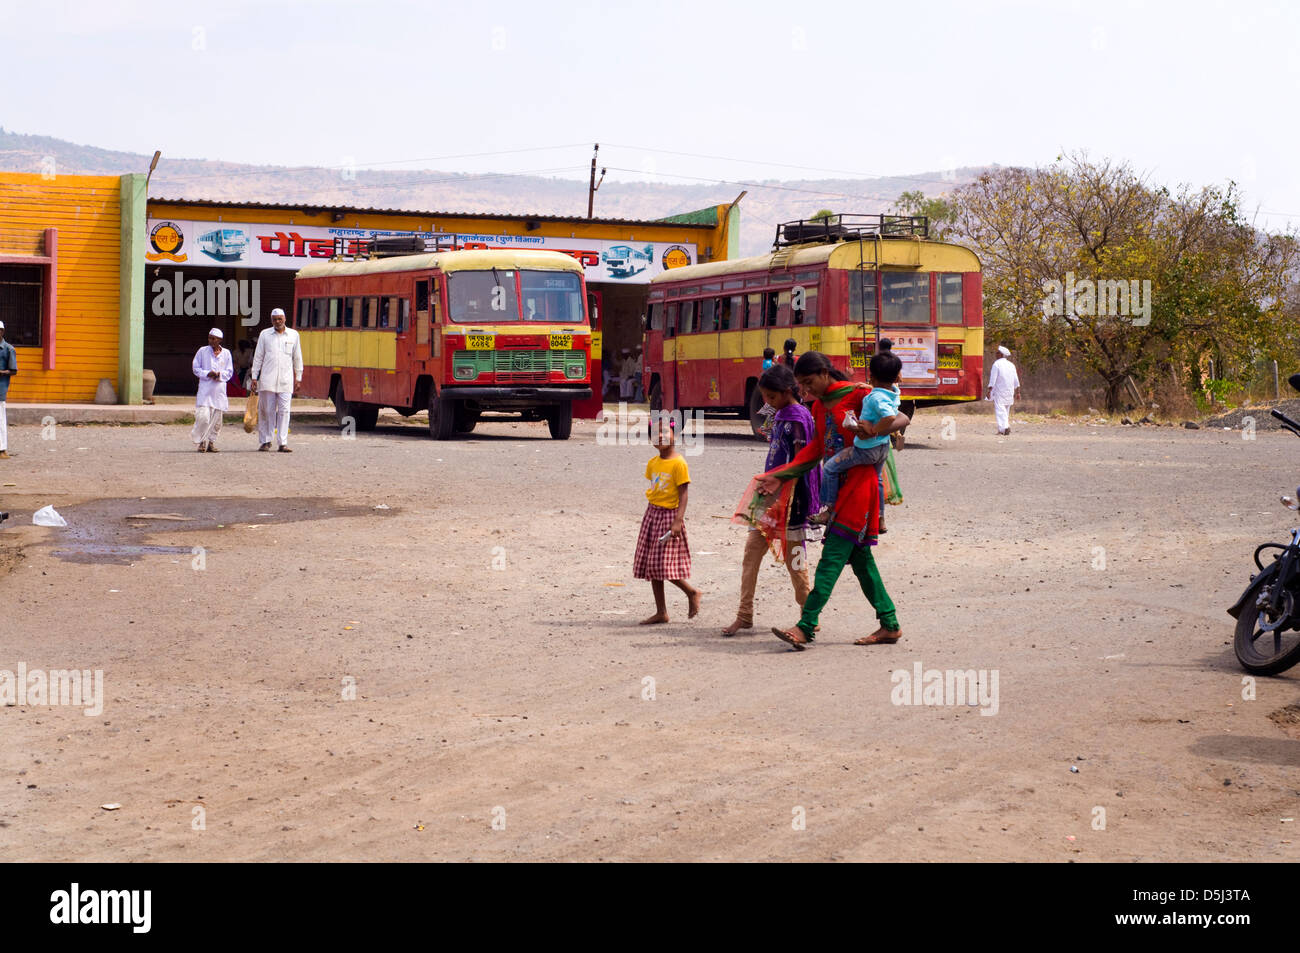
<point>213,367</point>
<point>1004,390</point>
<point>277,374</point>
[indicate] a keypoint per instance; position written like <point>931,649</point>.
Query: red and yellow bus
<point>835,286</point>
<point>458,333</point>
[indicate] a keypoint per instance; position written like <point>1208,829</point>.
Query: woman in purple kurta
<point>792,428</point>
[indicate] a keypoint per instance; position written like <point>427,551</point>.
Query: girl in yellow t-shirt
<point>661,548</point>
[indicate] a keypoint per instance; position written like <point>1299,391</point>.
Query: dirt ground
<point>521,713</point>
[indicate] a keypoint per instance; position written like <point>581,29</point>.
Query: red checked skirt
<point>670,559</point>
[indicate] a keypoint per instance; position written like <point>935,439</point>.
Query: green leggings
<point>837,551</point>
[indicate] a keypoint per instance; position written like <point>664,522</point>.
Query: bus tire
<point>756,403</point>
<point>466,419</point>
<point>559,419</point>
<point>365,415</point>
<point>442,418</point>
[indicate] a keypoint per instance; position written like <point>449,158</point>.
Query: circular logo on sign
<point>676,256</point>
<point>166,239</point>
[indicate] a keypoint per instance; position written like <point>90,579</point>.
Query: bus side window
<point>732,308</point>
<point>769,310</point>
<point>754,313</point>
<point>404,316</point>
<point>421,300</point>
<point>687,323</point>
<point>783,309</point>
<point>304,314</point>
<point>670,320</point>
<point>809,314</point>
<point>655,319</point>
<point>372,308</point>
<point>435,303</point>
<point>335,313</point>
<point>708,315</point>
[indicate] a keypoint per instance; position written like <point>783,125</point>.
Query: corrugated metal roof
<point>311,207</point>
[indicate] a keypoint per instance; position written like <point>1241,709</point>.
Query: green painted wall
<point>130,358</point>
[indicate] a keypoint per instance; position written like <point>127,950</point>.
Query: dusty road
<point>507,712</point>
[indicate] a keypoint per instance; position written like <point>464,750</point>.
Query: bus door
<point>663,351</point>
<point>590,409</point>
<point>697,379</point>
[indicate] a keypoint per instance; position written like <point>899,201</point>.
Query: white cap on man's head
<point>215,333</point>
<point>278,311</point>
<point>1003,351</point>
<point>2,325</point>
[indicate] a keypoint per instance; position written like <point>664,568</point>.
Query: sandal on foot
<point>881,636</point>
<point>794,637</point>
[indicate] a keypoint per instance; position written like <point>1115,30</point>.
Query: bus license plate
<point>948,362</point>
<point>561,342</point>
<point>480,342</point>
<point>857,360</point>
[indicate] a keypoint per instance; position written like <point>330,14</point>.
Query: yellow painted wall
<point>87,212</point>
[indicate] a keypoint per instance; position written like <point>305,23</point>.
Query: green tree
<point>1084,260</point>
<point>940,212</point>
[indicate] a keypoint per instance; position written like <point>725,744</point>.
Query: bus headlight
<point>465,372</point>
<point>573,371</point>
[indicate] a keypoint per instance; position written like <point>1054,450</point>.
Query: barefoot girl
<point>661,548</point>
<point>792,428</point>
<point>852,529</point>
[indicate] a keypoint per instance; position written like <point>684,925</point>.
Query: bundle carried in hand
<point>250,414</point>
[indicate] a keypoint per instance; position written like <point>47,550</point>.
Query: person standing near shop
<point>8,368</point>
<point>277,374</point>
<point>1003,390</point>
<point>213,367</point>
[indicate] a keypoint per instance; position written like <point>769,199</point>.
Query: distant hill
<point>768,202</point>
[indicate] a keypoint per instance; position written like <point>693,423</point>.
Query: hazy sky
<point>1186,92</point>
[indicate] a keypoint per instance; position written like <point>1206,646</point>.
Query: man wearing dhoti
<point>213,367</point>
<point>1004,390</point>
<point>277,374</point>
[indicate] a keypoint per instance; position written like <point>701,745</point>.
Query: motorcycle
<point>1267,638</point>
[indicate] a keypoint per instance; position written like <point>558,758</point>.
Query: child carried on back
<point>871,445</point>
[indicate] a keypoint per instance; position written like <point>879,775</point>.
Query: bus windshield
<point>480,297</point>
<point>477,297</point>
<point>554,296</point>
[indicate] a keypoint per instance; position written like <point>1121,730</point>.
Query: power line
<point>783,165</point>
<point>361,166</point>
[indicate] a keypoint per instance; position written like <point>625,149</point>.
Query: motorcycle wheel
<point>1262,650</point>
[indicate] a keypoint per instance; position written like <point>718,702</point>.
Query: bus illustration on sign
<point>624,261</point>
<point>224,244</point>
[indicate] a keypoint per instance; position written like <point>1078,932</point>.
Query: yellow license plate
<point>950,363</point>
<point>480,342</point>
<point>561,342</point>
<point>857,360</point>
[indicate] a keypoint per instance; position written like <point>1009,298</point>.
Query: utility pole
<point>594,185</point>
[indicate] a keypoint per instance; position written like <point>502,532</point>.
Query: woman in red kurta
<point>853,525</point>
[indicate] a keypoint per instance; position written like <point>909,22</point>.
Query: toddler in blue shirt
<point>871,446</point>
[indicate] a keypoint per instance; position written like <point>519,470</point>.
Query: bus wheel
<point>442,418</point>
<point>366,415</point>
<point>756,419</point>
<point>560,421</point>
<point>466,420</point>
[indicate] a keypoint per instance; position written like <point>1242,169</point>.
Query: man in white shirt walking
<point>8,368</point>
<point>1004,390</point>
<point>213,367</point>
<point>277,374</point>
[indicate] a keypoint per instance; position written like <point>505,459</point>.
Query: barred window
<point>20,304</point>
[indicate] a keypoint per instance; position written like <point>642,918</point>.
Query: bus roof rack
<point>849,227</point>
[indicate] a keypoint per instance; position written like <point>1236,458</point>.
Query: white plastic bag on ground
<point>48,516</point>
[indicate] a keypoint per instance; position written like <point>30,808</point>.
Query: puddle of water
<point>118,555</point>
<point>102,531</point>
